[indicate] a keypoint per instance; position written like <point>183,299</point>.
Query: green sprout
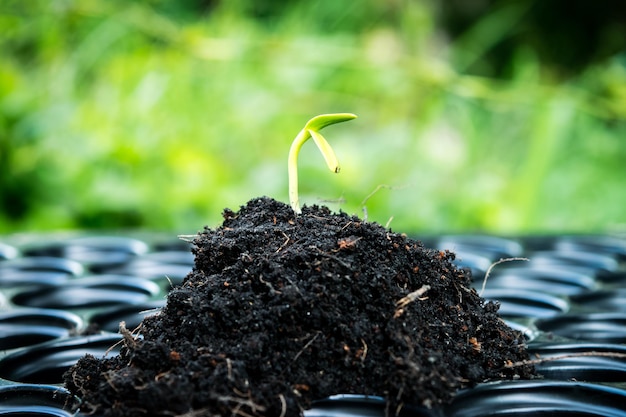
<point>312,130</point>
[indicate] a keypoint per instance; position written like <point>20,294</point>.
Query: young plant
<point>312,130</point>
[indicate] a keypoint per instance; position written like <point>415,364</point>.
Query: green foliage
<point>158,115</point>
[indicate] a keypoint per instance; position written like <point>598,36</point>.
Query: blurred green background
<point>481,115</point>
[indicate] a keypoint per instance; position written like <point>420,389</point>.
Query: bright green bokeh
<point>138,114</point>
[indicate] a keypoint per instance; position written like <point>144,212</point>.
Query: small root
<point>229,367</point>
<point>364,355</point>
<point>241,403</point>
<point>616,355</point>
<point>305,347</point>
<point>109,376</point>
<point>334,258</point>
<point>309,343</point>
<point>195,413</point>
<point>187,238</point>
<point>502,260</point>
<point>127,337</point>
<point>408,299</point>
<point>287,239</point>
<point>377,189</point>
<point>283,405</point>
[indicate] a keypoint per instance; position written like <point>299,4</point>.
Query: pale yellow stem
<point>311,129</point>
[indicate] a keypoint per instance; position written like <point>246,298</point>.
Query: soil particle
<point>281,310</point>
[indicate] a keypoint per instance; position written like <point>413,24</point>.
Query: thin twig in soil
<point>340,200</point>
<point>127,336</point>
<point>616,355</point>
<point>195,413</point>
<point>241,402</point>
<point>295,286</point>
<point>409,298</point>
<point>364,355</point>
<point>272,289</point>
<point>346,243</point>
<point>287,239</point>
<point>283,405</point>
<point>171,285</point>
<point>108,377</point>
<point>305,347</point>
<point>229,367</point>
<point>346,225</point>
<point>502,260</point>
<point>334,258</point>
<point>187,238</point>
<point>415,295</point>
<point>378,188</point>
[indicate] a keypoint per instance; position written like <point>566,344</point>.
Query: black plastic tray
<point>569,299</point>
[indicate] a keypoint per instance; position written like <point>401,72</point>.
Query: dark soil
<point>282,310</point>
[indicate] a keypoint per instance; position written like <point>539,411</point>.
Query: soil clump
<point>281,310</point>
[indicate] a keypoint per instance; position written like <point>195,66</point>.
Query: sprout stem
<point>311,130</point>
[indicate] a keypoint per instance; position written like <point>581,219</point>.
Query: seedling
<point>312,130</point>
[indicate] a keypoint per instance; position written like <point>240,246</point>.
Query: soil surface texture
<point>281,310</point>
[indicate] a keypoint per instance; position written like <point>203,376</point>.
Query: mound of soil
<point>281,310</point>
